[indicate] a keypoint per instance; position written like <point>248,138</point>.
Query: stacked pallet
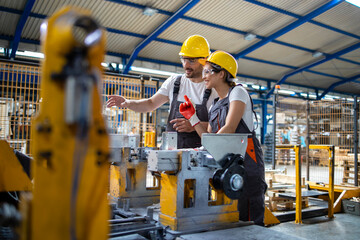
<point>279,182</point>
<point>341,155</point>
<point>276,203</point>
<point>349,167</point>
<point>319,157</point>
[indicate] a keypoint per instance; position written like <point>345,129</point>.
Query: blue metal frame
<point>178,14</point>
<point>264,121</point>
<point>126,56</point>
<point>325,59</point>
<point>289,27</point>
<point>351,79</point>
<point>289,66</point>
<point>239,31</point>
<point>279,10</point>
<point>311,21</point>
<point>20,26</point>
<point>179,44</point>
<point>184,17</point>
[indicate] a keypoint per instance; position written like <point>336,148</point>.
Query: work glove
<point>187,109</point>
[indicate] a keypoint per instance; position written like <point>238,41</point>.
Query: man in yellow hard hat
<point>193,54</point>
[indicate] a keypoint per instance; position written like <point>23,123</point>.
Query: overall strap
<point>207,94</point>
<point>175,93</point>
<point>177,84</point>
<point>173,102</point>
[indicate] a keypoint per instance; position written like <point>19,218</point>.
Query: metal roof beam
<point>351,79</point>
<point>289,66</point>
<point>135,5</point>
<point>268,80</point>
<point>325,59</point>
<point>20,25</point>
<point>289,27</point>
<point>125,56</point>
<point>279,10</point>
<point>178,14</point>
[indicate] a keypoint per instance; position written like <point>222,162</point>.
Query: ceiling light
<point>151,71</point>
<point>148,11</point>
<point>354,2</point>
<point>287,92</point>
<point>30,54</point>
<point>317,54</point>
<point>249,36</point>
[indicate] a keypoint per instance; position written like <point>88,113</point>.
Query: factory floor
<point>344,226</point>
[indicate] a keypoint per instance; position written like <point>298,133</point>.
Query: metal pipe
<point>356,142</point>
<point>274,131</point>
<point>141,123</point>
<point>331,150</point>
<point>126,220</point>
<point>307,140</point>
<point>298,212</point>
<point>133,231</point>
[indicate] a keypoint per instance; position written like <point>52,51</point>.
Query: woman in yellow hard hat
<point>233,112</point>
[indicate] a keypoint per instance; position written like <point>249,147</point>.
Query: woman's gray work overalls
<point>251,206</point>
<point>192,139</point>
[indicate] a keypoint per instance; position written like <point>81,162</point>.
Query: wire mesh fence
<point>332,123</point>
<point>20,101</point>
<point>323,122</point>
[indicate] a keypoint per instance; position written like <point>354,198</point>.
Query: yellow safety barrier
<point>298,214</point>
<point>331,150</point>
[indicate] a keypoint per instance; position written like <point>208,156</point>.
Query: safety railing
<point>298,208</point>
<point>331,151</point>
<point>298,185</point>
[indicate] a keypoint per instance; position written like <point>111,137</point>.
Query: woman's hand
<point>187,109</point>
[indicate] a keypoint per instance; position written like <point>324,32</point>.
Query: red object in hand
<point>187,108</point>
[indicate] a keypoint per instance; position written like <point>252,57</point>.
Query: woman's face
<point>210,77</point>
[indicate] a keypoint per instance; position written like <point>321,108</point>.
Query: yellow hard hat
<point>224,60</point>
<point>195,46</point>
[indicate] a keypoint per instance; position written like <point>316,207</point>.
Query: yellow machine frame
<point>12,175</point>
<point>70,174</point>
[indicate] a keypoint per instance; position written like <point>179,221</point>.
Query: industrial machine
<point>70,142</point>
<point>131,184</point>
<point>199,187</point>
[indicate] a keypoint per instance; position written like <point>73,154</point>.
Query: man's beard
<point>192,73</point>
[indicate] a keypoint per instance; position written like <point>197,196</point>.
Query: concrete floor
<point>344,226</point>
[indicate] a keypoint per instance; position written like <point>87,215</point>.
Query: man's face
<point>192,67</point>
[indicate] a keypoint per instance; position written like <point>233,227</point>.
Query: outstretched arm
<point>141,105</point>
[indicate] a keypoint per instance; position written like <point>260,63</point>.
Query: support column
<point>307,140</point>
<point>356,141</point>
<point>263,121</point>
<point>274,128</point>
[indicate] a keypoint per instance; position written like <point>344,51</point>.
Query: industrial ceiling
<point>308,45</point>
